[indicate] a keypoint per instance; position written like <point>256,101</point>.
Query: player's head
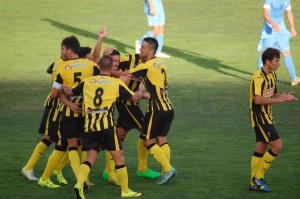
<point>115,55</point>
<point>69,47</point>
<point>106,64</point>
<point>148,48</point>
<point>271,58</point>
<point>84,52</point>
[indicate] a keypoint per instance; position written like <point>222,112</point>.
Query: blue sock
<point>289,64</point>
<point>260,63</point>
<point>148,34</point>
<point>160,40</point>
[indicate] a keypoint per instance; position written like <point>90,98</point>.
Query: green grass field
<point>213,48</point>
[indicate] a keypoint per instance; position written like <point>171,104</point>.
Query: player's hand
<point>293,32</point>
<point>125,77</point>
<point>146,96</point>
<point>107,51</point>
<point>75,108</point>
<point>275,27</point>
<point>288,97</point>
<point>67,90</point>
<point>103,33</point>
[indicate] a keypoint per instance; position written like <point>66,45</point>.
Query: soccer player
<point>48,129</point>
<point>160,111</point>
<point>70,73</point>
<point>155,13</point>
<point>263,93</point>
<point>130,117</point>
<point>275,34</point>
<point>100,94</point>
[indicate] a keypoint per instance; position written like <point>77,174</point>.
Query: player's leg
<point>83,173</point>
<point>52,163</point>
<point>152,124</point>
<point>37,153</point>
<point>41,147</point>
<point>272,137</point>
<point>112,143</point>
<point>283,43</point>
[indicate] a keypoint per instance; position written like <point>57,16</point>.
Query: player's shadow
<point>189,56</point>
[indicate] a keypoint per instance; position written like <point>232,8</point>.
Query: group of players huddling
<point>79,115</point>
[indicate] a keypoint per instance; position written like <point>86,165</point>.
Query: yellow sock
<point>52,163</point>
<point>36,155</point>
<point>160,157</point>
<point>166,149</point>
<point>79,150</point>
<point>83,156</point>
<point>110,164</point>
<point>83,173</point>
<point>122,176</point>
<point>142,156</point>
<point>255,162</point>
<point>63,162</point>
<point>74,160</point>
<point>265,164</point>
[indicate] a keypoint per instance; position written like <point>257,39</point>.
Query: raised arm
<point>95,55</point>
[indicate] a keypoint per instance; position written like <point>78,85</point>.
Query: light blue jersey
<point>159,18</point>
<point>269,37</point>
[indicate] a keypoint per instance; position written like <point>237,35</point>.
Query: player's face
<point>145,50</point>
<point>274,64</point>
<point>116,61</point>
<point>63,52</point>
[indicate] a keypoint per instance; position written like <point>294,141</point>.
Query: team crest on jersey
<point>270,92</point>
<point>68,67</point>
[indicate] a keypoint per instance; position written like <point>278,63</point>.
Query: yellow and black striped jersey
<point>52,69</point>
<point>99,96</point>
<point>71,73</point>
<point>262,84</point>
<point>128,62</point>
<point>153,73</point>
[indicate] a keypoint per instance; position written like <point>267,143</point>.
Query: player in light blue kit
<point>275,34</point>
<point>156,19</point>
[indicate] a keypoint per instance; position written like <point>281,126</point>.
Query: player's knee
<point>261,147</point>
<point>277,147</point>
<point>162,140</point>
<point>122,133</point>
<point>73,142</point>
<point>148,143</point>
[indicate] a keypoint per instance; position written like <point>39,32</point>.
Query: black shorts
<point>106,139</point>
<point>71,127</point>
<point>50,123</point>
<point>130,117</point>
<point>157,123</point>
<point>266,133</point>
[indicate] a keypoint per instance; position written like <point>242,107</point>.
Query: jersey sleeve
<point>57,79</point>
<point>267,4</point>
<point>50,68</point>
<point>124,62</point>
<point>78,90</point>
<point>139,71</point>
<point>257,86</point>
<point>124,91</point>
<point>96,71</point>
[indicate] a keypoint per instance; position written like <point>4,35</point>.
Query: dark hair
<point>84,51</point>
<point>115,52</point>
<point>152,41</point>
<point>105,62</point>
<point>72,43</point>
<point>270,54</point>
